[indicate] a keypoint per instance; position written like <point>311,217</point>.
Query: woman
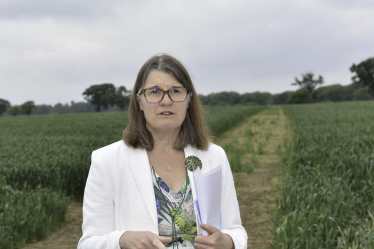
<point>139,193</point>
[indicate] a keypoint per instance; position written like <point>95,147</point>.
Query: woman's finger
<point>159,241</point>
<point>201,246</point>
<point>204,240</point>
<point>158,244</point>
<point>210,229</point>
<point>165,240</point>
<point>216,239</point>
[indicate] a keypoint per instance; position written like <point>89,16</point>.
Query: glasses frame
<point>163,95</point>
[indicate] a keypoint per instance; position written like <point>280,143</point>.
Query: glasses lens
<point>153,95</point>
<point>178,94</point>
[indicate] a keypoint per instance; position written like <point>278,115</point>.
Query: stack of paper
<point>208,202</point>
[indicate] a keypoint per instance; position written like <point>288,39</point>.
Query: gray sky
<point>51,51</point>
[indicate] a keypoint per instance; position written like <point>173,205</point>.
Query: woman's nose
<point>166,99</point>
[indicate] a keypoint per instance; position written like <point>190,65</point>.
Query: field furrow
<point>257,146</point>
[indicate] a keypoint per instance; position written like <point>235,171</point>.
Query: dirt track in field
<point>67,237</point>
<point>256,191</point>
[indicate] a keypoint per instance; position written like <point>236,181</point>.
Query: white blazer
<point>119,195</point>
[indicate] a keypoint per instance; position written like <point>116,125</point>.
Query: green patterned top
<point>168,203</point>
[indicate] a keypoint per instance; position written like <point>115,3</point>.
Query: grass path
<point>68,236</point>
<point>267,133</point>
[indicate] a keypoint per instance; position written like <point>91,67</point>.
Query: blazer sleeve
<point>98,210</point>
<point>231,222</point>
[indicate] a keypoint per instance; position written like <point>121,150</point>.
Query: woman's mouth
<point>166,113</point>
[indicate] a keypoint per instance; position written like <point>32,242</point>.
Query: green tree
<point>43,109</point>
<point>361,94</point>
<point>28,107</point>
<point>280,98</point>
<point>80,107</point>
<point>122,97</point>
<point>308,83</point>
<point>364,74</point>
<point>14,110</point>
<point>4,105</point>
<point>337,92</point>
<point>298,97</point>
<point>222,98</point>
<point>203,99</point>
<point>60,108</point>
<point>101,95</point>
<point>259,98</point>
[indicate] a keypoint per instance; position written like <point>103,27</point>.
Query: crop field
<point>44,163</point>
<point>326,200</point>
<point>328,195</point>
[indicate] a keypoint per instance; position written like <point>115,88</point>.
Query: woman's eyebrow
<point>159,87</point>
<point>155,86</point>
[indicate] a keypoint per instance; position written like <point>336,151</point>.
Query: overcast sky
<point>51,51</point>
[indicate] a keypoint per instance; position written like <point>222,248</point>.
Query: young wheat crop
<point>45,160</point>
<point>328,198</point>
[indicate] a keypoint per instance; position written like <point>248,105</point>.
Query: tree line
<point>99,97</point>
<point>107,97</point>
<point>362,87</point>
<point>26,108</point>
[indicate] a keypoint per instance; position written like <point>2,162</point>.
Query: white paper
<point>208,191</point>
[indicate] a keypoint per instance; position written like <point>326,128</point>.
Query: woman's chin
<point>169,128</point>
<point>165,127</point>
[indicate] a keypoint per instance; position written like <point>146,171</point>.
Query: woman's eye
<point>175,90</point>
<point>154,91</point>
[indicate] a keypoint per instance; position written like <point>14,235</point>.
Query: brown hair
<point>193,130</point>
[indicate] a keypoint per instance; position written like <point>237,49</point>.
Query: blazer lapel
<point>140,169</point>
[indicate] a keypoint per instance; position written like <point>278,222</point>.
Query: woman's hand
<point>216,239</point>
<point>142,240</point>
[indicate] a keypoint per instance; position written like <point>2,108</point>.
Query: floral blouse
<point>170,203</point>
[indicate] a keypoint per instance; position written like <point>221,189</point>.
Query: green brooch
<point>192,162</point>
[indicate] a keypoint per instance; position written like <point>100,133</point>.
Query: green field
<point>327,199</point>
<point>328,196</point>
<point>44,163</point>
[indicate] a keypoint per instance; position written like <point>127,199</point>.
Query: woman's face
<point>165,115</point>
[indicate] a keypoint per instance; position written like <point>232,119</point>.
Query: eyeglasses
<point>155,95</point>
